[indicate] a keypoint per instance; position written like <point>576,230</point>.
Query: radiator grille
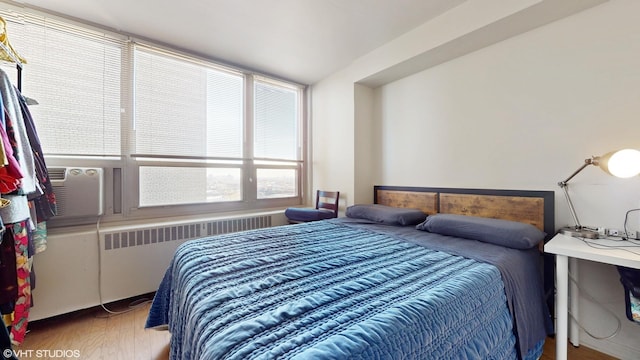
<point>150,236</point>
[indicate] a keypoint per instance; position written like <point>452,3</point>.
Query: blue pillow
<point>506,233</point>
<point>386,214</point>
<point>308,214</point>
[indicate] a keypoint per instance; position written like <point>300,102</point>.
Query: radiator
<point>133,261</point>
<point>120,262</point>
<point>169,233</point>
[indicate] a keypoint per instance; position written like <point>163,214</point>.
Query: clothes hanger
<point>9,54</point>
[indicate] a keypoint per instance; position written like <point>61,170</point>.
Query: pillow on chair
<point>308,214</point>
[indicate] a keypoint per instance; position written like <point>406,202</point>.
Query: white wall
<point>333,150</point>
<point>339,118</point>
<point>367,149</point>
<point>520,114</point>
<point>524,114</point>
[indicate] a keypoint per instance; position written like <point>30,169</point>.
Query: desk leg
<point>562,304</point>
<point>574,296</point>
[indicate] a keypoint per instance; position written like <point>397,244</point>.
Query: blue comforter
<point>330,290</point>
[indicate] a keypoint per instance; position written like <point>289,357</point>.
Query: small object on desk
<point>579,232</point>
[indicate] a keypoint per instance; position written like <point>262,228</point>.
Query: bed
<point>382,283</point>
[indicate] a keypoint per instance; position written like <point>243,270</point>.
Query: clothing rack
<point>16,61</point>
<point>19,64</point>
<point>5,339</point>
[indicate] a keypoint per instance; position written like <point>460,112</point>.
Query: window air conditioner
<point>78,191</point>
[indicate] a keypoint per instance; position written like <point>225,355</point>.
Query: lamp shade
<point>622,163</point>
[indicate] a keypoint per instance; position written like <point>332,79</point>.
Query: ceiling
<point>299,40</point>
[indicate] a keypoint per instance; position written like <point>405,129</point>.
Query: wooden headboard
<point>532,207</point>
<point>527,206</point>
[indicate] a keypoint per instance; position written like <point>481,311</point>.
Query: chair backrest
<point>328,200</point>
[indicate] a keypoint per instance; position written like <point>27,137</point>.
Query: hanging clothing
<point>5,345</point>
<point>45,199</point>
<point>16,129</point>
<point>24,183</point>
<point>21,180</point>
<point>23,269</point>
<point>39,243</point>
<point>18,210</point>
<point>8,274</point>
<point>10,173</point>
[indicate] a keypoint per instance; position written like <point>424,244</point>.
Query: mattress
<point>334,290</point>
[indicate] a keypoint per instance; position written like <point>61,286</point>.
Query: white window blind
<point>276,138</point>
<point>75,74</point>
<point>182,130</point>
<point>186,109</point>
<point>276,121</point>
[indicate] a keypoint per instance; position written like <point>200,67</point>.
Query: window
<point>276,139</point>
<point>76,76</point>
<point>187,111</point>
<point>191,114</point>
<point>182,131</point>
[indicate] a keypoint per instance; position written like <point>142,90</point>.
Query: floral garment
<point>23,267</point>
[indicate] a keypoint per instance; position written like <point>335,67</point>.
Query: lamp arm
<point>591,161</point>
<point>563,185</point>
<point>571,208</point>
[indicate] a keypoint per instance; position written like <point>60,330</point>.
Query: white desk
<point>566,247</point>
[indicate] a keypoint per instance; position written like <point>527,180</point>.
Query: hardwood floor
<point>94,335</point>
<point>573,353</point>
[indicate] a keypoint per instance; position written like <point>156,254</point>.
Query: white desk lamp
<point>622,163</point>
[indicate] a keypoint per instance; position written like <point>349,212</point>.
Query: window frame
<point>248,166</point>
<point>121,173</point>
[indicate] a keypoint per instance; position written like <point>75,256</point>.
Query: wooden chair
<point>326,208</point>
